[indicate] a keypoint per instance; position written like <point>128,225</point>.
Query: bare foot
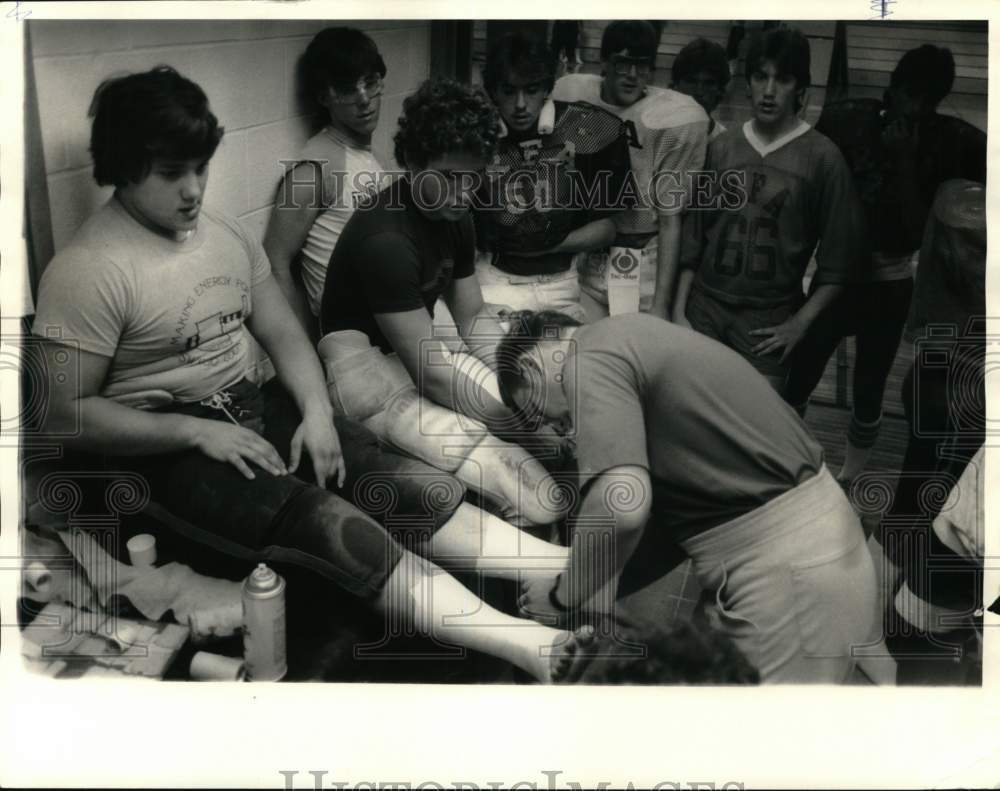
<point>570,655</point>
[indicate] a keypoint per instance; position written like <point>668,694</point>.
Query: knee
<point>339,541</point>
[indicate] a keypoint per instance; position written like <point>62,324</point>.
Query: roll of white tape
<point>38,580</point>
<point>213,667</point>
<point>142,550</point>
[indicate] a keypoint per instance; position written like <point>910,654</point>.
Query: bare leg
<point>510,475</point>
<point>478,541</point>
<point>442,607</point>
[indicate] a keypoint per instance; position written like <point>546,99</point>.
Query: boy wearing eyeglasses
<point>343,73</point>
<point>667,139</point>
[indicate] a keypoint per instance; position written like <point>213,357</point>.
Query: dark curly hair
<point>687,652</point>
<point>140,117</point>
<point>445,117</point>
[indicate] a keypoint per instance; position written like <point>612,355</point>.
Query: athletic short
<point>794,583</point>
<point>282,520</point>
<point>731,325</point>
<point>560,291</point>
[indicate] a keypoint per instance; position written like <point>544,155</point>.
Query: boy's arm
<point>679,158</point>
<point>618,497</point>
<point>592,236</point>
<point>612,519</point>
<point>790,332</point>
<point>684,282</point>
<point>478,327</point>
<point>667,252</point>
<point>426,360</point>
<point>272,325</point>
<point>692,244</point>
<point>838,256</point>
<point>297,206</point>
<point>86,421</point>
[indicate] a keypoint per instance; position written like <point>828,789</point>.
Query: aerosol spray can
<point>264,625</point>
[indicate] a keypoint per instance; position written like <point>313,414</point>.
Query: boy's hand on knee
<point>317,434</point>
<point>237,445</point>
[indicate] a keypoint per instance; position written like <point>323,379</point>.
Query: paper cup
<point>142,550</point>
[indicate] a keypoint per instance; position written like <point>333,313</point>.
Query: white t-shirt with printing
<point>170,314</point>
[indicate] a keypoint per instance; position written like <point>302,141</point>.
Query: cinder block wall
<point>247,68</point>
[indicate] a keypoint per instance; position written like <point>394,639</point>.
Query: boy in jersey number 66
<point>667,134</point>
<point>749,258</point>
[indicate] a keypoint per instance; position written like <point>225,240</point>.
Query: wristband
<point>554,600</point>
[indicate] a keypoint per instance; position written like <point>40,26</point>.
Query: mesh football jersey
<point>543,186</point>
<point>755,246</point>
<point>948,148</point>
<point>667,134</point>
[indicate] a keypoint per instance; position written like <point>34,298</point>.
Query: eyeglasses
<point>622,66</point>
<point>370,87</point>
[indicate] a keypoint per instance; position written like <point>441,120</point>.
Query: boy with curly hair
<point>415,243</point>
